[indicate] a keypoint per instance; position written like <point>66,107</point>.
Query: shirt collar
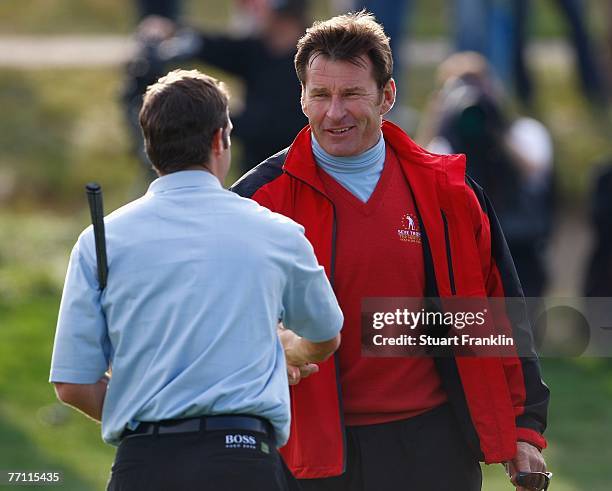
<point>184,179</point>
<point>371,159</point>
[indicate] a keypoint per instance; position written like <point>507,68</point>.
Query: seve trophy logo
<point>409,229</point>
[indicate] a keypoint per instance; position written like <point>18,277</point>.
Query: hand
<point>528,459</point>
<point>296,371</point>
<point>290,342</point>
<point>299,352</point>
<point>295,374</point>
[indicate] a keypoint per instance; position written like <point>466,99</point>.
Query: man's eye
<point>319,96</point>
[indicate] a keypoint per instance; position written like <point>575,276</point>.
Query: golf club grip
<point>96,208</point>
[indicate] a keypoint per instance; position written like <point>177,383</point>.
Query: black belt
<point>202,423</point>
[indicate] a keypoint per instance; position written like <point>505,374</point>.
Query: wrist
<point>532,437</point>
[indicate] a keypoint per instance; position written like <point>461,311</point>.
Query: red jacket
<point>497,400</point>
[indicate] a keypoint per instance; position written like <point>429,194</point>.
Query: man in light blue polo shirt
<point>198,280</point>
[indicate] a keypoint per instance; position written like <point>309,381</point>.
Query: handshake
<point>302,355</point>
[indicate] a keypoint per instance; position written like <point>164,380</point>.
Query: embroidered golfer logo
<point>409,229</point>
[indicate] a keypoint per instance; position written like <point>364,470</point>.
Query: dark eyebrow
<point>354,89</point>
<point>318,90</point>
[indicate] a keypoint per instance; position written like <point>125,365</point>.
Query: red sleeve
<point>528,392</point>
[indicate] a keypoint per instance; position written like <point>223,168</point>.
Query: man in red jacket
<point>388,219</point>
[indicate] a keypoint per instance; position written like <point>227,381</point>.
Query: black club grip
<point>96,208</point>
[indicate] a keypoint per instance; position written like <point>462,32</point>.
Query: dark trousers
<point>227,460</point>
<point>424,453</point>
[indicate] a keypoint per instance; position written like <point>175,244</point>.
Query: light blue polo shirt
<point>198,278</point>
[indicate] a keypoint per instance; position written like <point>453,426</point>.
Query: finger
<point>513,480</point>
<point>510,471</point>
<point>308,369</point>
<point>522,463</point>
<point>519,488</point>
<point>293,374</point>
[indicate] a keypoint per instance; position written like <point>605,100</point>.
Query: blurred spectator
<point>169,9</point>
<point>487,27</point>
<point>511,158</point>
<point>248,16</point>
<point>394,15</point>
<point>264,62</point>
<point>591,77</point>
<point>599,269</point>
<point>498,29</point>
<point>607,42</point>
<point>608,15</point>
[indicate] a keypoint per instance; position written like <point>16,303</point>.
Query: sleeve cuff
<point>531,436</point>
<point>74,377</point>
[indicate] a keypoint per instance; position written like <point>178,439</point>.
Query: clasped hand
<point>296,368</point>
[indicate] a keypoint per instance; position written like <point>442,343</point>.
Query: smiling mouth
<point>339,131</point>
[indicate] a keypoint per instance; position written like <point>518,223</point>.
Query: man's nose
<point>336,109</point>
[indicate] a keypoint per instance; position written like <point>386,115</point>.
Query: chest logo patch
<point>409,230</point>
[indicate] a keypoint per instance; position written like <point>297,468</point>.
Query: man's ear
<point>225,138</point>
<point>388,97</point>
<point>217,142</point>
<point>303,101</point>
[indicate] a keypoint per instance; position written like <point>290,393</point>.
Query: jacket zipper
<point>449,259</point>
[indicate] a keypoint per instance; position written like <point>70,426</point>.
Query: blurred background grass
<point>60,128</point>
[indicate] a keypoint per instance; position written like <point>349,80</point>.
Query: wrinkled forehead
<point>325,72</point>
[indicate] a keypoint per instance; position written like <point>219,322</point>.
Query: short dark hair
<point>347,37</point>
<point>179,116</point>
